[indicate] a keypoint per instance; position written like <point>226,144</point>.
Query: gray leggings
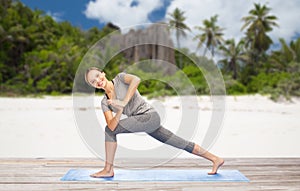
<point>149,123</point>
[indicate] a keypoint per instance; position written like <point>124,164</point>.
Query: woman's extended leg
<point>108,171</point>
<point>170,138</point>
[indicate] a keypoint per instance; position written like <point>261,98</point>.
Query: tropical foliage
<point>40,56</point>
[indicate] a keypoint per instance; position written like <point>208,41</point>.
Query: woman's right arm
<point>113,121</point>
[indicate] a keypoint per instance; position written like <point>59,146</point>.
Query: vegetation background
<point>40,56</point>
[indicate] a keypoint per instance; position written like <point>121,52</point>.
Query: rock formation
<point>153,42</point>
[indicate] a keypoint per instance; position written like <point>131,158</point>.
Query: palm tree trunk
<point>234,70</point>
<point>178,44</point>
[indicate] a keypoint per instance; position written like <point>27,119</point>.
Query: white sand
<point>254,126</point>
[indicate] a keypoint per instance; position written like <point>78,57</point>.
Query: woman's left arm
<point>133,82</point>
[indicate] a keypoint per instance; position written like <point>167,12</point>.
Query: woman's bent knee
<point>110,135</point>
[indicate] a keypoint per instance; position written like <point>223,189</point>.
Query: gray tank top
<point>137,105</point>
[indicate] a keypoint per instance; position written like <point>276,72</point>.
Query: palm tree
<point>259,23</point>
<point>176,23</point>
<point>211,34</point>
<point>287,59</point>
<point>234,56</point>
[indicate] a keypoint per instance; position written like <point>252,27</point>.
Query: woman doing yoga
<point>122,97</point>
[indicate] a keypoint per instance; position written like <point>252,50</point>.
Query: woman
<point>122,96</point>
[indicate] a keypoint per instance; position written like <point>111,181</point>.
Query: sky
<point>123,13</point>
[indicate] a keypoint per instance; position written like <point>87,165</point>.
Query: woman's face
<point>97,79</point>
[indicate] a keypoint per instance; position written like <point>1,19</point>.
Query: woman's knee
<point>155,122</point>
<point>107,129</point>
<point>110,135</point>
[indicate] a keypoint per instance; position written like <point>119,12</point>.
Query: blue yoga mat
<point>155,175</point>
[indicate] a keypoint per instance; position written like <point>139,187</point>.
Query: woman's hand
<point>117,103</point>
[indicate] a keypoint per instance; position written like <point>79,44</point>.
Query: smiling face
<point>96,79</point>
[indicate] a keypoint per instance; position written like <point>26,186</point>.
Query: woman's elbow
<point>137,80</point>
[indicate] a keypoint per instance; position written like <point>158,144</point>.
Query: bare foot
<point>216,165</point>
<point>103,174</point>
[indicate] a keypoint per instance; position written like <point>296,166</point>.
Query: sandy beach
<point>254,126</point>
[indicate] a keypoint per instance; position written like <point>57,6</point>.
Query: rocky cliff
<point>153,42</point>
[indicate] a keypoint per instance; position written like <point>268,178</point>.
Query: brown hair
<point>87,72</point>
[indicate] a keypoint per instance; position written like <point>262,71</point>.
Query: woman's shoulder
<point>120,76</point>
